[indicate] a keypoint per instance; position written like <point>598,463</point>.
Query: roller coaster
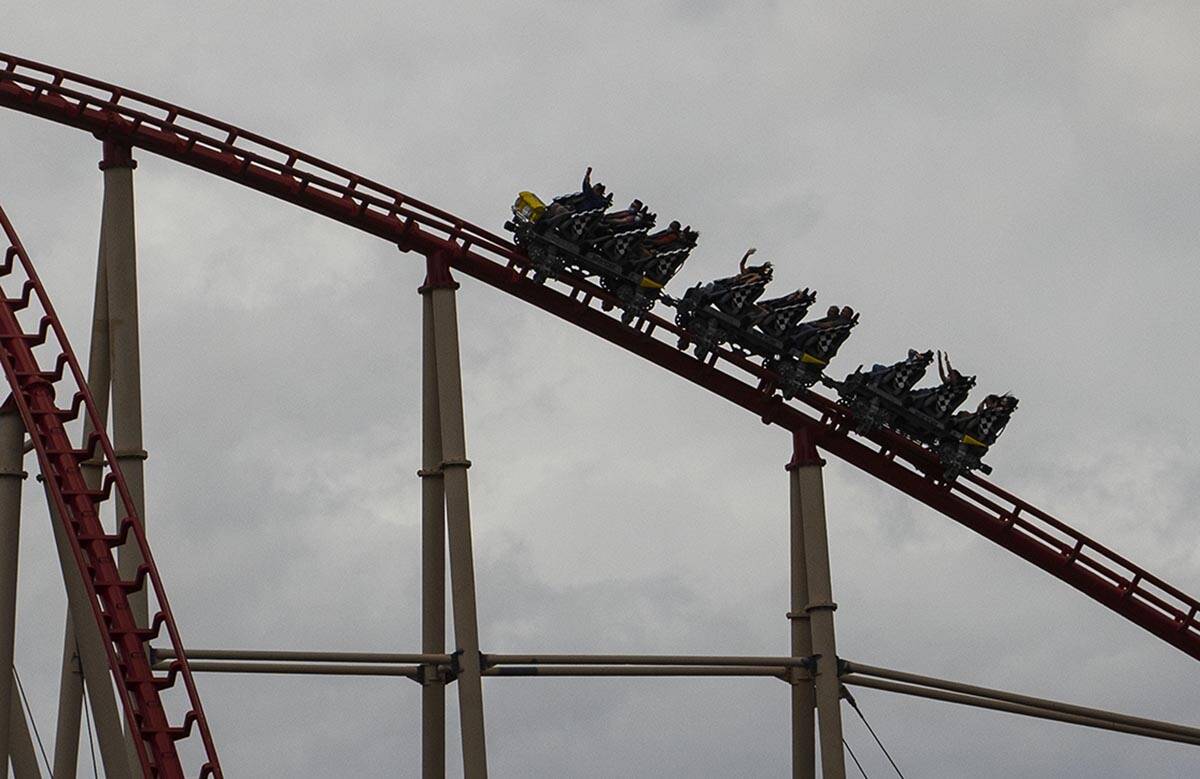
<point>603,273</point>
<point>574,233</point>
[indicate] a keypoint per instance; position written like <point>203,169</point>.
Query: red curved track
<point>125,117</point>
<point>76,506</point>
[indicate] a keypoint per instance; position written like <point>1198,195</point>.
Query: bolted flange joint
<point>437,274</point>
<point>440,470</point>
<point>116,155</point>
<point>804,451</point>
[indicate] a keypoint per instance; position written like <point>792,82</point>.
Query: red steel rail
<point>77,509</point>
<point>114,113</point>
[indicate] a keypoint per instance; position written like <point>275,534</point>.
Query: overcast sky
<point>1016,183</point>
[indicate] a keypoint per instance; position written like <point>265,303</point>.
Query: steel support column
<point>803,698</point>
<point>23,759</point>
<point>12,436</point>
<point>70,689</point>
<point>433,556</point>
<point>93,661</point>
<point>111,314</point>
<point>820,607</point>
<point>441,292</point>
<point>120,265</point>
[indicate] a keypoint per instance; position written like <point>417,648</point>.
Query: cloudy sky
<point>1013,182</point>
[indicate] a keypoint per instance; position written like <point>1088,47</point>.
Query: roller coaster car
<point>971,434</point>
<point>940,402</point>
<point>621,236</point>
<point>612,247</point>
<point>876,396</point>
<point>723,310</point>
<point>779,317</point>
<point>808,350</point>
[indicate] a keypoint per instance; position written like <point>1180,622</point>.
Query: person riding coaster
<point>574,216</point>
<point>637,216</point>
<point>736,295</point>
<point>644,273</point>
<point>720,311</point>
<point>943,400</point>
<point>875,397</point>
<point>620,236</point>
<point>779,317</point>
<point>662,263</point>
<point>972,434</point>
<point>809,348</point>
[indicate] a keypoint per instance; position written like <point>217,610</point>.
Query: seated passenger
<point>636,214</point>
<point>662,238</point>
<point>984,425</point>
<point>779,316</point>
<point>902,376</point>
<point>824,335</point>
<point>941,401</point>
<point>589,197</point>
<point>736,294</point>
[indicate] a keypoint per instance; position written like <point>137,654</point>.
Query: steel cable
<point>32,721</point>
<point>87,716</point>
<point>855,759</point>
<point>854,705</point>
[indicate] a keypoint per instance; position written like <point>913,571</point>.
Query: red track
<point>76,507</point>
<point>119,115</point>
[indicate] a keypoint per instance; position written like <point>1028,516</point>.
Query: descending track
<point>76,507</point>
<point>126,117</point>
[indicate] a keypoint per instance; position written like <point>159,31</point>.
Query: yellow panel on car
<point>529,206</point>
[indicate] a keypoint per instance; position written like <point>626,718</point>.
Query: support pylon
<point>810,485</point>
<point>12,436</point>
<point>439,288</point>
<point>23,758</point>
<point>113,369</point>
<point>124,360</point>
<point>433,556</point>
<point>803,699</point>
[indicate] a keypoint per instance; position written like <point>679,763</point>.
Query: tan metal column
<point>70,688</point>
<point>433,555</point>
<point>120,260</point>
<point>458,515</point>
<point>93,659</point>
<point>84,658</point>
<point>12,437</point>
<point>70,706</point>
<point>23,758</point>
<point>804,753</point>
<point>820,607</point>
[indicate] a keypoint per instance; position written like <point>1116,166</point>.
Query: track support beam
<point>803,698</point>
<point>810,484</point>
<point>442,355</point>
<point>12,436</point>
<point>113,370</point>
<point>433,555</point>
<point>22,757</point>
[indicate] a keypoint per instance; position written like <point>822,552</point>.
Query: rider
<point>590,195</point>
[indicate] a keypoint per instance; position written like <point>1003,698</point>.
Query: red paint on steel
<point>804,451</point>
<point>115,114</point>
<point>117,155</point>
<point>437,273</point>
<point>77,507</point>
